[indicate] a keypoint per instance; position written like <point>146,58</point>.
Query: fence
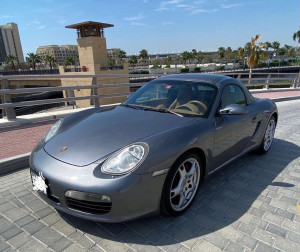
<point>256,79</point>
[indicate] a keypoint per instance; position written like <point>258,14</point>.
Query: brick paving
<point>270,95</point>
<point>250,205</point>
<point>16,140</point>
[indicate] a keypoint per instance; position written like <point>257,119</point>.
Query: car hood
<point>106,131</point>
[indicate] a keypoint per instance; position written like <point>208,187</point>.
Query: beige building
<point>10,43</point>
<point>113,53</point>
<point>59,53</point>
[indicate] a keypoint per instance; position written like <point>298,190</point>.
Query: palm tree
<point>296,36</point>
<point>275,46</point>
<point>49,59</point>
<point>121,55</point>
<point>133,60</point>
<point>32,59</point>
<point>253,58</point>
<point>143,54</point>
<point>10,59</point>
<point>70,61</point>
<point>241,53</point>
<point>221,53</point>
<point>194,54</point>
<point>186,56</point>
<point>200,56</point>
<point>267,45</point>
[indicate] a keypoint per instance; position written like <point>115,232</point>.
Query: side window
<point>233,94</point>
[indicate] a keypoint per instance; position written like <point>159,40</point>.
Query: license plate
<point>38,183</point>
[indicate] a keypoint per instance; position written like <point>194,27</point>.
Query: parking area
<point>251,205</point>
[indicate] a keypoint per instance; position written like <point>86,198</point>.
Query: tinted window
<point>186,98</point>
<point>232,94</point>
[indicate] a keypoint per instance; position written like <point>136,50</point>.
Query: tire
<point>268,137</point>
<point>181,185</point>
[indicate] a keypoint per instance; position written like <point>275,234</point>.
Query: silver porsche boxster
<point>150,154</point>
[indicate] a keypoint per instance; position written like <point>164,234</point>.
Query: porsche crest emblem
<point>63,149</point>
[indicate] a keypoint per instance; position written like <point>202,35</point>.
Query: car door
<point>232,132</point>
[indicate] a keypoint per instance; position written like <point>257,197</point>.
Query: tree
<point>143,54</point>
<point>275,46</point>
<point>49,59</point>
<point>267,45</point>
<point>186,56</point>
<point>10,59</point>
<point>291,53</point>
<point>121,55</point>
<point>247,48</point>
<point>194,54</point>
<point>33,59</point>
<point>133,60</point>
<point>282,51</point>
<point>200,56</point>
<point>296,36</point>
<point>253,58</point>
<point>221,53</point>
<point>70,61</point>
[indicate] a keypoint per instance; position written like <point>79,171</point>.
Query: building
<point>59,53</point>
<point>10,43</point>
<point>113,53</point>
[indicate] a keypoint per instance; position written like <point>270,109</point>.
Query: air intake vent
<point>256,128</point>
<point>88,202</point>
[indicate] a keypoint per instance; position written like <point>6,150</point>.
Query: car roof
<point>211,78</point>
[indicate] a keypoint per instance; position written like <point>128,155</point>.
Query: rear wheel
<point>268,137</point>
<point>181,185</point>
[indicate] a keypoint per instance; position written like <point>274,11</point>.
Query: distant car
<point>150,154</point>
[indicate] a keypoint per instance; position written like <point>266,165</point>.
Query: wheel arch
<point>200,153</point>
<point>275,114</point>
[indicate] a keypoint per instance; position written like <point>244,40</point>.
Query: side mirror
<point>234,109</point>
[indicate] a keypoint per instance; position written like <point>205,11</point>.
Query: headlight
<point>53,130</point>
<point>125,160</point>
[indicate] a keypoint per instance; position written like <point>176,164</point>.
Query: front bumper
<point>132,195</point>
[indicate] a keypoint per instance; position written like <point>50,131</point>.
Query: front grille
<point>89,206</point>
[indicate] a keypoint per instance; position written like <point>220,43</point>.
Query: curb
<point>289,98</point>
<point>14,163</point>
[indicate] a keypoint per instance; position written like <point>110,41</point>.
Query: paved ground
<point>250,205</point>
<point>288,93</point>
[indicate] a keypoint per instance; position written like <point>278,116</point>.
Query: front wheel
<point>268,137</point>
<point>181,185</point>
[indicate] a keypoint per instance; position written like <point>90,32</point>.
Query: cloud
<point>167,23</point>
<point>138,17</point>
<point>137,24</point>
<point>196,11</point>
<point>229,6</point>
<point>44,10</point>
<point>5,16</point>
<point>34,22</point>
<point>41,27</point>
<point>145,1</point>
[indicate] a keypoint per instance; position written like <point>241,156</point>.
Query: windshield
<point>183,97</point>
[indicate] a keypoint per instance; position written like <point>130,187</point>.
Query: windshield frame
<point>140,91</point>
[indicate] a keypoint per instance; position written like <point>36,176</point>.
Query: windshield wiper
<point>130,106</point>
<point>162,110</point>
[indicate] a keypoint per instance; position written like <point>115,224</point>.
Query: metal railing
<point>256,79</point>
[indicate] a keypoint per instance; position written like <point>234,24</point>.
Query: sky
<point>168,26</point>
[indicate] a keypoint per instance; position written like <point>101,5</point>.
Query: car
<point>150,154</point>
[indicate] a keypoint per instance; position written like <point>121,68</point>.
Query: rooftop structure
<point>89,29</point>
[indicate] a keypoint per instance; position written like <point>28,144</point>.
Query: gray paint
<point>93,134</point>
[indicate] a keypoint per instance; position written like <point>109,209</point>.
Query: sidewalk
<point>21,135</point>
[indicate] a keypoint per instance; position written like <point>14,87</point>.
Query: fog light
<point>87,196</point>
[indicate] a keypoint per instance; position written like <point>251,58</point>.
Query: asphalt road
<point>249,205</point>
